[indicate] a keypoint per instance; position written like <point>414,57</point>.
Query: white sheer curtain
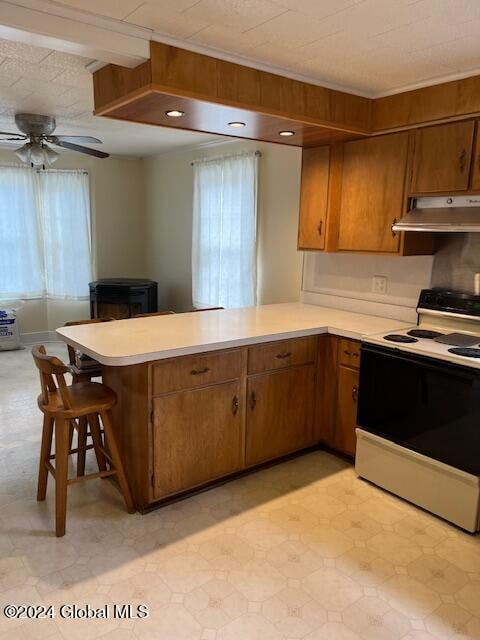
<point>224,257</point>
<point>65,204</point>
<point>45,246</point>
<point>21,253</point>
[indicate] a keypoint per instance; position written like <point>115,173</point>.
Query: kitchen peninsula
<point>202,396</point>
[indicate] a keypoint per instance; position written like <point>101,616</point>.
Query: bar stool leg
<point>97,441</point>
<point>45,450</point>
<point>62,442</point>
<point>82,443</point>
<point>117,460</point>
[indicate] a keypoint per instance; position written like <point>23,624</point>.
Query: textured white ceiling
<point>37,80</point>
<point>371,46</point>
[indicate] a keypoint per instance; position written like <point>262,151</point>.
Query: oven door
<point>425,405</point>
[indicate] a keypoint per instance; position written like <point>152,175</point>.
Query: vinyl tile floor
<point>301,550</point>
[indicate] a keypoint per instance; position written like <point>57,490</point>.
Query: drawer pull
<point>253,400</point>
<point>355,392</point>
<point>198,372</point>
<point>235,405</point>
<point>347,353</point>
<point>282,356</point>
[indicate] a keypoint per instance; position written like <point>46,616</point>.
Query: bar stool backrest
<point>52,378</point>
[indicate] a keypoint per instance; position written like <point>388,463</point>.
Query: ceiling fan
<point>37,131</point>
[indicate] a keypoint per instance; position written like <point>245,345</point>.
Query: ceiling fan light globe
<point>24,152</point>
<point>50,156</point>
<point>37,155</point>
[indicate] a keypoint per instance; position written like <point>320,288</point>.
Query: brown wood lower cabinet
<point>337,391</point>
<point>185,422</point>
<point>279,413</point>
<point>346,413</point>
<point>197,437</point>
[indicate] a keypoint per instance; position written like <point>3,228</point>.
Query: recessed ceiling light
<point>237,125</point>
<point>174,113</point>
<point>286,134</point>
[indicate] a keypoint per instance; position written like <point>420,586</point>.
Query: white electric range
<point>419,408</point>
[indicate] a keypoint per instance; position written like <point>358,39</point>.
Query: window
<point>45,247</point>
<point>224,270</point>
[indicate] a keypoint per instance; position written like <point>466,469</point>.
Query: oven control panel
<point>449,301</point>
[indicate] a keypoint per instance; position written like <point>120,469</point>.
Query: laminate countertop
<point>137,340</point>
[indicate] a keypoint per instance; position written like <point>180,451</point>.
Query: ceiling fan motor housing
<point>35,125</point>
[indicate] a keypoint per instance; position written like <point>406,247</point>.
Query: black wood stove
<point>122,297</point>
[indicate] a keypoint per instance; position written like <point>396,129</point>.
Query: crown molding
<point>431,82</point>
<point>51,24</point>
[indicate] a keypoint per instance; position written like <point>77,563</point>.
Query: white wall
<point>169,222</point>
<point>118,228</point>
<point>344,281</point>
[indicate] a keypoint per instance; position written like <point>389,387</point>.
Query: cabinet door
<point>197,436</point>
<point>279,413</point>
<point>313,198</point>
<point>373,193</point>
<point>346,416</point>
<point>441,161</point>
<point>326,389</point>
<point>475,185</point>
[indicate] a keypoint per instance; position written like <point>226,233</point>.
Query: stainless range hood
<point>441,214</point>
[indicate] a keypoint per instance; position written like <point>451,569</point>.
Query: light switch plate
<point>379,284</point>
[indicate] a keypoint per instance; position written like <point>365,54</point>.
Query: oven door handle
<point>444,366</point>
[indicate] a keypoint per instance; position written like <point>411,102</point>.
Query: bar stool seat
<point>65,408</point>
<point>84,396</point>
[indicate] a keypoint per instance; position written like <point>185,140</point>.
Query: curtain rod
<point>22,166</point>
<point>258,154</point>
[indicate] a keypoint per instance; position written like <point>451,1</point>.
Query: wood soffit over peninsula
<point>213,92</point>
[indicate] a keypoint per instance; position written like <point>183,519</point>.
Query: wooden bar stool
<point>83,369</point>
<point>62,404</point>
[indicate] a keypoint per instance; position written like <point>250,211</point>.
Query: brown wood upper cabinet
<point>442,158</point>
<point>314,198</point>
<point>475,170</point>
<point>372,193</point>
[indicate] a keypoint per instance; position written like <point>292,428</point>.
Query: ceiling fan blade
<point>80,149</point>
<point>13,136</point>
<point>74,139</point>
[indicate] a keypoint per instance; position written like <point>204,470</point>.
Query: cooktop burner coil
<point>424,333</point>
<point>396,337</point>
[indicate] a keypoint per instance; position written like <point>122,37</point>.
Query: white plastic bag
<point>9,334</point>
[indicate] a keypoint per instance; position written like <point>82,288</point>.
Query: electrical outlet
<point>379,284</point>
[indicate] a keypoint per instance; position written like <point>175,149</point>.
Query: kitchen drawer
<point>195,371</point>
<point>278,355</point>
<point>349,353</point>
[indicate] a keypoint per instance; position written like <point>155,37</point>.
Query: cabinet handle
<point>355,392</point>
<point>463,160</point>
<point>347,353</point>
<point>282,356</point>
<point>253,400</point>
<point>197,372</point>
<point>394,233</point>
<point>319,227</point>
<point>235,405</point>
